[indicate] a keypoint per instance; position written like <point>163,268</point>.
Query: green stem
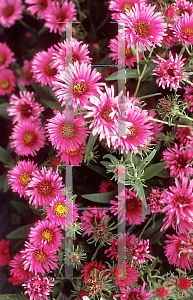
<point>95,253</point>
<point>148,96</point>
<point>189,53</point>
<point>186,117</point>
<point>164,122</point>
<point>144,229</point>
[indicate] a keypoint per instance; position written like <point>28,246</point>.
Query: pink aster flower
<point>125,275</point>
<point>185,136</point>
<point>130,204</point>
<point>42,69</point>
<point>89,269</point>
<point>179,206</point>
<point>143,26</point>
<point>46,233</point>
<point>6,56</point>
<point>178,161</point>
<point>27,73</point>
<point>156,128</point>
<point>65,135</point>
<point>70,51</point>
<point>24,107</point>
<point>170,39</point>
<point>7,82</point>
<point>73,157</point>
<point>106,187</point>
<point>10,11</point>
<point>4,253</point>
<point>38,288</point>
<point>122,52</point>
<point>89,217</point>
<point>170,71</point>
<point>58,14</point>
<point>38,7</point>
<point>77,84</point>
<point>183,28</point>
<point>183,6</point>
<point>62,212</point>
<point>179,251</point>
<point>136,293</point>
<point>37,259</point>
<point>140,251</point>
<point>17,272</point>
<point>104,111</point>
<point>188,97</point>
<point>28,138</point>
<point>154,201</point>
<point>120,6</point>
<point>44,186</point>
<point>20,176</point>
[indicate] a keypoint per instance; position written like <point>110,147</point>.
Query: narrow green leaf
<point>6,186</point>
<point>105,163</point>
<point>3,111</point>
<point>11,297</point>
<point>153,170</point>
<point>44,92</point>
<point>111,157</point>
<point>146,161</point>
<point>5,157</point>
<point>52,104</point>
<point>21,208</point>
<point>140,192</point>
<point>22,87</point>
<point>20,233</point>
<point>100,197</point>
<point>90,145</point>
<point>122,74</point>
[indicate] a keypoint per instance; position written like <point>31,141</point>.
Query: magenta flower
<point>154,201</point>
<point>143,26</point>
<point>140,251</point>
<point>178,161</point>
<point>7,82</point>
<point>4,252</point>
<point>183,6</point>
<point>19,275</point>
<point>183,28</point>
<point>20,176</point>
<point>89,269</point>
<point>57,15</point>
<point>10,11</point>
<point>24,107</point>
<point>179,251</point>
<point>77,84</point>
<point>6,56</point>
<point>38,288</point>
<point>37,259</point>
<point>70,51</point>
<point>178,206</point>
<point>128,208</point>
<point>44,186</point>
<point>28,138</point>
<point>38,7</point>
<point>185,136</point>
<point>136,293</point>
<point>65,135</point>
<point>27,73</point>
<point>120,6</point>
<point>188,97</point>
<point>46,233</point>
<point>170,71</point>
<point>62,212</point>
<point>125,275</point>
<point>73,157</point>
<point>42,69</point>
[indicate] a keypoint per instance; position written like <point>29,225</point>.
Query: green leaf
<point>44,92</point>
<point>105,163</point>
<point>20,233</point>
<point>3,111</point>
<point>11,297</point>
<point>148,71</point>
<point>5,157</point>
<point>111,157</point>
<point>22,87</point>
<point>52,104</point>
<point>140,192</point>
<point>100,197</point>
<point>90,145</point>
<point>122,74</point>
<point>6,186</point>
<point>21,208</point>
<point>146,161</point>
<point>153,170</point>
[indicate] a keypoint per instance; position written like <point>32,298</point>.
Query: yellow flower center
<point>4,84</point>
<point>141,28</point>
<point>8,11</point>
<point>2,58</point>
<point>47,235</point>
<point>40,256</point>
<point>67,130</point>
<point>44,188</point>
<point>29,138</point>
<point>188,31</point>
<point>79,88</point>
<point>24,178</point>
<point>126,6</point>
<point>128,53</point>
<point>60,210</point>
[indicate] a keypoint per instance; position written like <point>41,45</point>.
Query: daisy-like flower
<point>27,73</point>
<point>6,56</point>
<point>178,161</point>
<point>125,275</point>
<point>38,7</point>
<point>140,251</point>
<point>170,39</point>
<point>58,14</point>
<point>44,186</point>
<point>37,259</point>
<point>90,216</point>
<point>154,200</point>
<point>4,253</point>
<point>7,82</point>
<point>24,107</point>
<point>47,234</point>
<point>120,6</point>
<point>62,212</point>
<point>28,138</point>
<point>185,135</point>
<point>65,135</point>
<point>20,176</point>
<point>130,204</point>
<point>91,268</point>
<point>122,52</point>
<point>179,251</point>
<point>136,293</point>
<point>183,6</point>
<point>104,111</point>
<point>73,157</point>
<point>170,71</point>
<point>42,69</point>
<point>17,272</point>
<point>70,50</point>
<point>143,26</point>
<point>188,97</point>
<point>10,11</point>
<point>38,288</point>
<point>77,84</point>
<point>178,206</point>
